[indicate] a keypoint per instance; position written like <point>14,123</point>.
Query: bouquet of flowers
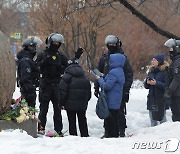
<point>19,112</point>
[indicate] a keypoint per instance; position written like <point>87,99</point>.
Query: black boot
<point>59,134</point>
<point>122,133</point>
<point>105,135</point>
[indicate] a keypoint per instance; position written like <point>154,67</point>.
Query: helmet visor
<point>178,42</point>
<point>170,43</point>
<point>37,41</point>
<point>57,38</point>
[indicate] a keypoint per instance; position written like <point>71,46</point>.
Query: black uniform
<point>51,65</point>
<point>103,67</point>
<point>75,92</point>
<point>174,87</point>
<point>27,76</point>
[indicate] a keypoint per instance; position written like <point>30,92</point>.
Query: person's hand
<point>96,89</point>
<point>97,77</point>
<point>36,83</point>
<point>152,82</point>
<point>101,75</point>
<point>78,53</point>
<point>167,94</point>
<point>62,108</point>
<point>30,88</point>
<point>31,97</point>
<point>96,93</point>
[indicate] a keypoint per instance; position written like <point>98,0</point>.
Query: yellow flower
<point>22,111</point>
<point>21,118</point>
<point>26,109</point>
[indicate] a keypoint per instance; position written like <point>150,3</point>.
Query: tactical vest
<point>51,68</point>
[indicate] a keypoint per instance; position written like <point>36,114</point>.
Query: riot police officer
<point>173,90</point>
<point>114,46</point>
<point>27,71</point>
<point>52,64</point>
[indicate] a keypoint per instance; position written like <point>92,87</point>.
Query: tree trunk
<point>7,74</point>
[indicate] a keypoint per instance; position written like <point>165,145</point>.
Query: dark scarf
<point>54,47</point>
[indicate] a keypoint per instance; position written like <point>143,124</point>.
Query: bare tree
<point>143,18</point>
<point>8,17</point>
<point>86,23</point>
<point>140,15</point>
<point>80,23</point>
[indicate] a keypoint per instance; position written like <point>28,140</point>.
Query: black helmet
<point>56,37</point>
<point>34,41</point>
<point>112,39</point>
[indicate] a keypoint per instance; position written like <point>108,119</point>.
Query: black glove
<point>30,87</point>
<point>31,96</point>
<point>36,82</point>
<point>96,93</point>
<point>31,99</point>
<point>78,53</point>
<point>126,97</point>
<point>96,89</point>
<point>168,93</point>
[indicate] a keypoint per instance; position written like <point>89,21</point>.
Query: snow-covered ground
<point>145,139</point>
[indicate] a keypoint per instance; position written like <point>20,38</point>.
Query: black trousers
<point>30,97</point>
<point>175,108</point>
<point>50,92</point>
<point>122,117</point>
<point>111,124</point>
<point>82,121</point>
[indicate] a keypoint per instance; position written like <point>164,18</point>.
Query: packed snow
<point>140,137</point>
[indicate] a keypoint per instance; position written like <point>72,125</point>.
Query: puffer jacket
<point>75,89</point>
<point>103,67</point>
<point>160,74</point>
<point>114,81</point>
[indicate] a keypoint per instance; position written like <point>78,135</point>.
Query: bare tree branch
<point>148,22</point>
<point>141,2</point>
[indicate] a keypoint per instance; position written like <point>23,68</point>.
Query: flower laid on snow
<point>19,111</point>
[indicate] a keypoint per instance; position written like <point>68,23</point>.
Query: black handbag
<point>158,109</point>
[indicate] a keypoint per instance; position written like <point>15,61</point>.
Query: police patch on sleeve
<point>176,70</point>
<point>28,70</point>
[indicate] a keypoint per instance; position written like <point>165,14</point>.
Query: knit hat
<point>159,58</point>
